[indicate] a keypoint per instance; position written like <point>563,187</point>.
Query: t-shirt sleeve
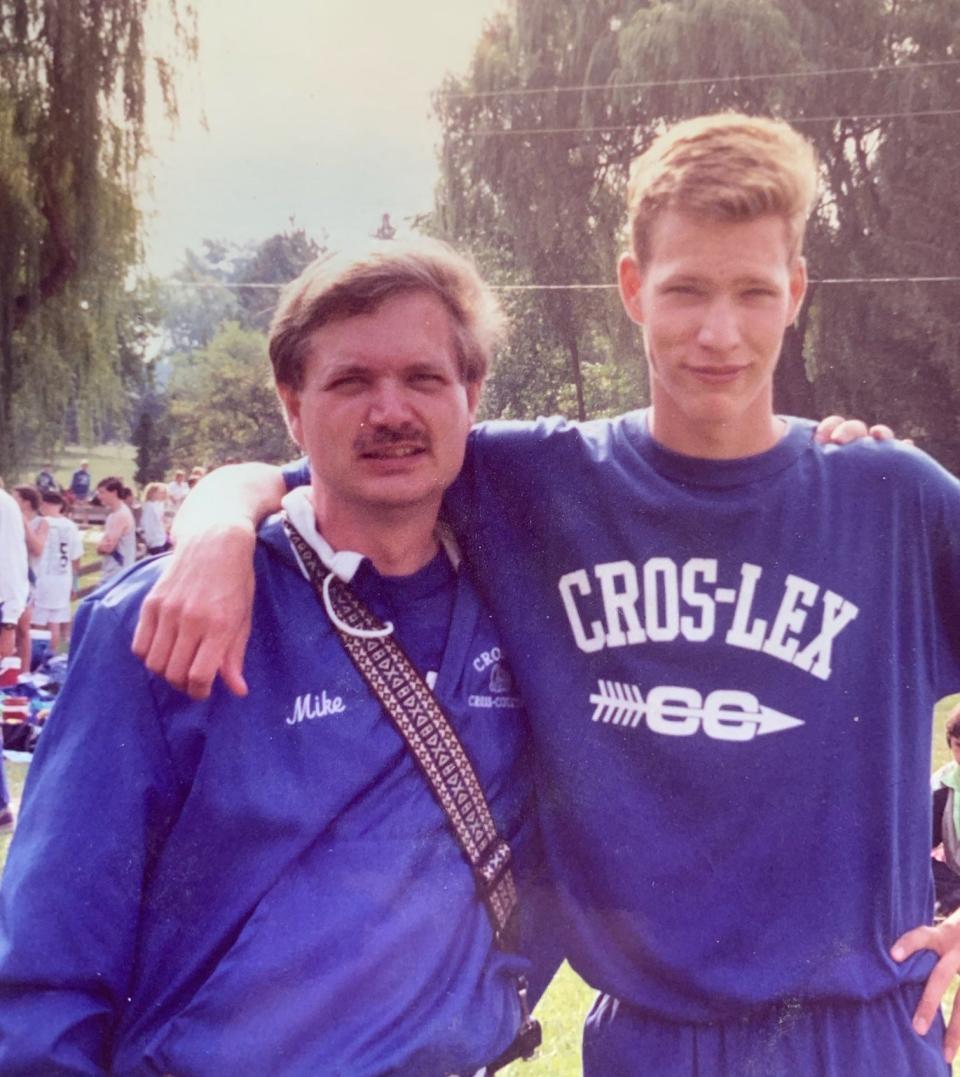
<point>99,796</point>
<point>500,474</point>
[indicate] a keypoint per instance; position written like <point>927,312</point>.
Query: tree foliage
<point>72,97</point>
<point>541,201</point>
<point>222,404</point>
<point>152,441</point>
<point>538,175</point>
<point>194,409</point>
<point>223,283</point>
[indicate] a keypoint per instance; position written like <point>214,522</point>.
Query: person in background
<point>119,542</point>
<point>80,482</point>
<point>55,570</point>
<point>36,530</point>
<point>28,498</point>
<point>14,592</point>
<point>14,578</point>
<point>946,822</point>
<point>177,490</point>
<point>153,518</point>
<point>46,479</point>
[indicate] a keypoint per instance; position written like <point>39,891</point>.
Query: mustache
<point>387,437</point>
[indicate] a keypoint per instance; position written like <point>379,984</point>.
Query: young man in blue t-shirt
<point>730,641</point>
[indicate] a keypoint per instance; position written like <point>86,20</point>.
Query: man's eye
<point>426,377</point>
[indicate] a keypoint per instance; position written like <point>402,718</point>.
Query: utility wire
<point>812,280</point>
<point>697,81</point>
<point>169,282</point>
<point>223,286</point>
<point>494,132</point>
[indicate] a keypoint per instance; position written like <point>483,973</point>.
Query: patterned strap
<point>414,710</point>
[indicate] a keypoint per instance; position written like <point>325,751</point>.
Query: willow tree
<point>539,207</point>
<point>73,85</point>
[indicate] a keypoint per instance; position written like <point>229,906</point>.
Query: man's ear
<point>798,286</point>
<point>290,399</point>
<point>630,280</point>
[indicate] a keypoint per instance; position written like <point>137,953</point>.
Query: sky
<point>317,110</point>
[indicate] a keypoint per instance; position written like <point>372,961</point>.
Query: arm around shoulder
<point>196,620</point>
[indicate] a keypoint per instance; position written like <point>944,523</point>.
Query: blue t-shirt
<point>420,606</point>
<point>730,668</point>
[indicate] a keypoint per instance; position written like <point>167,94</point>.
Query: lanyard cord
<point>341,625</point>
<point>443,761</point>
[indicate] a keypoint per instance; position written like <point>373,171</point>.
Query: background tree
<point>222,404</point>
<point>560,95</point>
<point>543,200</point>
<point>151,436</point>
<point>277,260</point>
<point>196,299</point>
<point>215,313</point>
<point>223,283</point>
<point>72,93</point>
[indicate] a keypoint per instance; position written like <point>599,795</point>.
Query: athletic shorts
<point>44,615</point>
<point>821,1039</point>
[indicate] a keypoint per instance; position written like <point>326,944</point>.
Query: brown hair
<point>952,728</point>
<point>330,290</point>
<point>727,167</point>
<point>30,494</point>
<point>115,486</point>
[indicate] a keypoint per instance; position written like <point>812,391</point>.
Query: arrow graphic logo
<point>677,711</point>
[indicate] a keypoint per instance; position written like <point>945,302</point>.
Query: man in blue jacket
<point>267,884</point>
<point>730,640</point>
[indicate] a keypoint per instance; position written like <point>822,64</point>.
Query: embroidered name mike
<point>675,711</point>
<point>682,601</point>
<point>310,706</point>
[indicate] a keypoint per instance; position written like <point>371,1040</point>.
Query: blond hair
<point>727,167</point>
<point>335,289</point>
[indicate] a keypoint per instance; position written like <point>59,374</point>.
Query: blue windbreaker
<point>260,885</point>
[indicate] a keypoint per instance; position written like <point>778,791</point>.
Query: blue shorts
<point>792,1039</point>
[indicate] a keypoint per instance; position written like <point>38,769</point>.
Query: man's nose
<point>720,329</point>
<point>388,403</point>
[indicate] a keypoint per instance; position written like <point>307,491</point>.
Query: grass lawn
<point>105,460</point>
<point>561,1014</point>
<point>568,999</point>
